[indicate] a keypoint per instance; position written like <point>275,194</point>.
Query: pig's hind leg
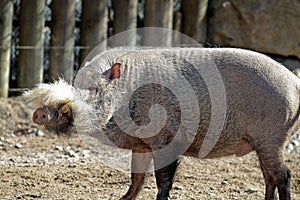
<point>276,174</point>
<point>269,182</point>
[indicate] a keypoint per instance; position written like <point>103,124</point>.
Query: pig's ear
<point>115,72</point>
<point>66,110</point>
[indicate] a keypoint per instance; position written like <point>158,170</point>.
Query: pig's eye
<point>56,114</point>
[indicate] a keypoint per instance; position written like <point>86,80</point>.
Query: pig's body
<point>257,100</point>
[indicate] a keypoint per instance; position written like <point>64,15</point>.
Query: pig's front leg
<point>140,162</point>
<point>164,178</point>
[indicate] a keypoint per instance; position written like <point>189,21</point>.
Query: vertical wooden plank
<point>62,40</point>
<point>125,18</point>
<point>6,18</point>
<point>177,16</point>
<point>158,13</point>
<point>194,19</point>
<point>30,61</point>
<point>94,27</point>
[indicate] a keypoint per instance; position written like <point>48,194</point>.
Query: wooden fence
<point>99,19</point>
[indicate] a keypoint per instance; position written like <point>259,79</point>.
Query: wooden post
<point>6,17</point>
<point>93,28</point>
<point>30,61</point>
<point>194,19</point>
<point>125,18</point>
<point>177,16</point>
<point>158,13</point>
<point>62,40</point>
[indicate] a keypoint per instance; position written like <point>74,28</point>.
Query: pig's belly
<point>238,148</point>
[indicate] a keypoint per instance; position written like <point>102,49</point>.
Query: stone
<point>224,182</point>
<point>290,148</point>
<point>296,143</point>
<point>40,133</point>
<point>72,153</point>
<point>59,148</point>
<point>67,148</point>
<point>212,195</point>
<point>178,187</point>
<point>86,153</point>
<point>18,145</point>
<point>251,190</point>
<point>265,26</point>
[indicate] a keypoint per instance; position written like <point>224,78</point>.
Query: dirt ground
<point>35,164</point>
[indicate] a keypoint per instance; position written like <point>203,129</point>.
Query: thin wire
<point>17,89</point>
<point>51,47</point>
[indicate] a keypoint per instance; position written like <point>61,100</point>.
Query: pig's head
<point>53,104</point>
<point>59,119</point>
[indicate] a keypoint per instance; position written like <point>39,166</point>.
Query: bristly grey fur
<point>94,107</point>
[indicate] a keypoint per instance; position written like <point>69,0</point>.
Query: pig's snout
<point>40,116</point>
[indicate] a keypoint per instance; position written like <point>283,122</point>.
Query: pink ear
<point>115,71</point>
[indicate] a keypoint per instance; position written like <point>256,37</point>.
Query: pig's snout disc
<point>40,116</point>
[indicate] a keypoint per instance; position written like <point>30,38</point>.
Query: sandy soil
<point>39,165</point>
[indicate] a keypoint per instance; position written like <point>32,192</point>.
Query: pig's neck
<point>92,109</point>
<point>94,117</point>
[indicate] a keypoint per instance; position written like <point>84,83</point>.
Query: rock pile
<point>270,27</point>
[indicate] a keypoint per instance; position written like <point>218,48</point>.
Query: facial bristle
<point>53,94</point>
